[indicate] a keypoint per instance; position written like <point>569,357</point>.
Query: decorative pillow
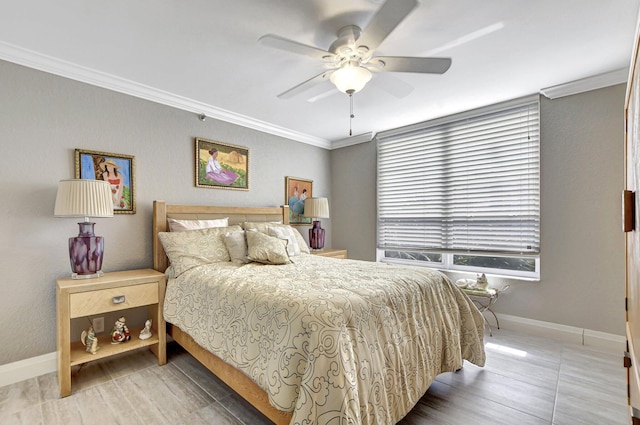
<point>176,225</point>
<point>266,249</point>
<point>263,227</point>
<point>187,250</point>
<point>286,233</point>
<point>236,244</point>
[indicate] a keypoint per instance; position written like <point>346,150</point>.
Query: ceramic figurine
<point>481,282</point>
<point>120,332</point>
<point>90,340</point>
<point>146,332</point>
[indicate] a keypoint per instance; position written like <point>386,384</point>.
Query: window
<point>463,192</point>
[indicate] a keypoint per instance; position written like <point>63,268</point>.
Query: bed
<point>314,340</point>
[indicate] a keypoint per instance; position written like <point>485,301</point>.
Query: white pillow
<point>286,233</point>
<point>187,250</point>
<point>176,225</point>
<point>236,244</point>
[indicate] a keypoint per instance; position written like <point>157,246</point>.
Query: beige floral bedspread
<point>333,341</point>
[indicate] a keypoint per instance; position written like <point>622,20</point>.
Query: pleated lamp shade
<point>83,198</point>
<point>316,208</point>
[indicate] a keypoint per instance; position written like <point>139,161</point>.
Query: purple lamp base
<point>316,236</point>
<point>85,253</point>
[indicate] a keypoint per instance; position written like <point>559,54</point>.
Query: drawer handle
<point>119,299</point>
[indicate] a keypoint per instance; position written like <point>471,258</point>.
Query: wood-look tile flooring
<point>527,380</point>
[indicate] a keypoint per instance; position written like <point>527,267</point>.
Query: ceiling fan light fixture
<point>350,78</point>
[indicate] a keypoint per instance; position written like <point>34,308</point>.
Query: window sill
<point>472,274</point>
<point>489,275</point>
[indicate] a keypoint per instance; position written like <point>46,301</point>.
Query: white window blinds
<point>464,183</point>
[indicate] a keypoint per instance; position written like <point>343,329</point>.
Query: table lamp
<point>85,198</point>
<point>316,208</point>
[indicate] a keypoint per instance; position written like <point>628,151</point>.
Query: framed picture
<point>117,169</point>
<point>295,192</point>
<point>221,166</point>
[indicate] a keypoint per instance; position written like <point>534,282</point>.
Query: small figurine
<point>481,282</point>
<point>146,332</point>
<point>90,340</point>
<point>120,332</point>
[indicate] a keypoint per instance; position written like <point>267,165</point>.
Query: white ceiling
<point>203,55</point>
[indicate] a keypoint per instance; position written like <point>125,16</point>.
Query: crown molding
<point>39,61</point>
<point>353,140</point>
<point>586,84</point>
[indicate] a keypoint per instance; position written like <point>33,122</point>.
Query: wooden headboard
<point>237,215</point>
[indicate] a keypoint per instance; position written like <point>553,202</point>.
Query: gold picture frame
<point>117,169</point>
<point>296,190</point>
<point>221,165</point>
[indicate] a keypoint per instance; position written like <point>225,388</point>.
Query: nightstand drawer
<point>105,300</point>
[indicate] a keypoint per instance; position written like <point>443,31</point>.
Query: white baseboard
<point>602,341</point>
<point>608,342</point>
<point>28,368</point>
<point>46,363</point>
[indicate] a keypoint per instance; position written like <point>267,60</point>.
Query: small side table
<point>112,292</point>
<point>330,252</point>
<point>484,299</point>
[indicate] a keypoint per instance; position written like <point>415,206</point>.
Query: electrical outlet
<point>98,324</point>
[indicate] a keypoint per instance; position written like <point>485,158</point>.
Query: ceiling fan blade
<point>409,64</point>
<point>306,85</point>
<point>384,21</point>
<point>275,41</point>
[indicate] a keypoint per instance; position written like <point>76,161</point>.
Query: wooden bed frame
<point>231,376</point>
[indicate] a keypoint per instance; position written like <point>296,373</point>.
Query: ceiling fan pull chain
<point>350,112</point>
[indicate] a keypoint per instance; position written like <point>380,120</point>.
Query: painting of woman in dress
<point>222,166</point>
<point>112,175</point>
<point>216,172</point>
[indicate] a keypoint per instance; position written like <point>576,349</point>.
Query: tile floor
<point>527,380</point>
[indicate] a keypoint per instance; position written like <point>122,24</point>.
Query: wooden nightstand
<point>111,292</point>
<point>334,253</point>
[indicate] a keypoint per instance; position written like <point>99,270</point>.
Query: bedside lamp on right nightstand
<point>316,208</point>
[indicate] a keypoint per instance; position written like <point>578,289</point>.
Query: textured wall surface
<point>582,258</point>
<point>43,118</point>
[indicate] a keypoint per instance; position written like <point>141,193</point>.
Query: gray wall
<point>353,200</point>
<point>43,118</point>
<point>582,258</point>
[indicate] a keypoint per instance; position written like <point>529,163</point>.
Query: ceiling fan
<point>349,61</point>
